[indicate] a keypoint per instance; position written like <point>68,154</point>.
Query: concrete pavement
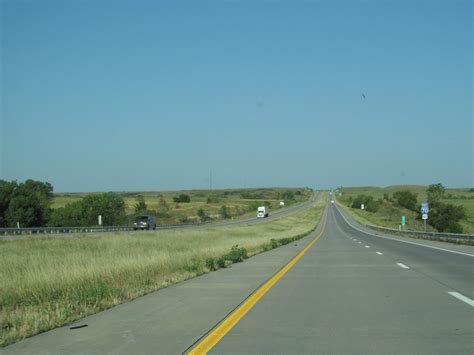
<point>351,293</point>
<point>345,298</point>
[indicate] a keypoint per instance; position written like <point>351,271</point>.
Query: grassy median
<point>49,282</point>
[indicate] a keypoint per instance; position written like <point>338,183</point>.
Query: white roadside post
<point>100,220</point>
<point>362,206</point>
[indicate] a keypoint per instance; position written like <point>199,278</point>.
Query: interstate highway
<point>348,293</point>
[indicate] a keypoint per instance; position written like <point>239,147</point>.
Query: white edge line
<point>403,266</point>
<point>367,246</point>
<point>377,252</point>
<point>398,240</point>
<point>462,298</point>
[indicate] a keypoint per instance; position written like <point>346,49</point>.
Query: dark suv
<point>144,222</point>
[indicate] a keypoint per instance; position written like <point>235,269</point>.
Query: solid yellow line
<point>217,334</point>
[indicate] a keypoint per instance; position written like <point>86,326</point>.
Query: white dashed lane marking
<point>462,298</point>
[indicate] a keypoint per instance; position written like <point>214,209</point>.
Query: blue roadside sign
<point>425,208</point>
<point>404,219</point>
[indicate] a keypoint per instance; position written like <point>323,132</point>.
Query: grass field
<point>240,202</point>
<point>49,282</point>
<point>390,215</point>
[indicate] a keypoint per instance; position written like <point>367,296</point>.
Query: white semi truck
<point>262,212</point>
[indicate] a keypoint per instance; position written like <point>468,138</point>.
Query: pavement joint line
<point>379,253</point>
<point>360,242</point>
<point>367,246</point>
<point>216,335</point>
<point>462,298</point>
<point>398,240</point>
<point>403,266</point>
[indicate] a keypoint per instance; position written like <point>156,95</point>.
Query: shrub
<point>224,212</point>
<point>221,261</point>
<point>254,205</point>
<point>211,264</point>
<point>163,205</point>
<point>236,254</point>
<point>183,198</point>
<point>202,215</point>
<point>212,199</point>
<point>184,219</point>
<point>140,206</point>
<point>445,217</point>
<point>288,195</point>
<point>369,203</point>
<point>406,199</point>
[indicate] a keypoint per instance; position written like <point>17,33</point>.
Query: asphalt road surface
<point>342,291</point>
<point>249,221</point>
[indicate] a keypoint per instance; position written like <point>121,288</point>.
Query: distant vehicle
<point>282,203</point>
<point>332,201</point>
<point>262,212</point>
<point>144,222</point>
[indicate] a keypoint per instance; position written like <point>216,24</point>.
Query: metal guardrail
<point>91,229</point>
<point>434,235</point>
<point>425,234</point>
<point>51,230</point>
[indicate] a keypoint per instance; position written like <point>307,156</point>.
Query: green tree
<point>86,211</point>
<point>141,205</point>
<point>183,198</point>
<point>288,195</point>
<point>109,205</point>
<point>69,216</point>
<point>406,199</point>
<point>6,191</point>
<point>435,193</point>
<point>28,203</point>
<point>445,217</point>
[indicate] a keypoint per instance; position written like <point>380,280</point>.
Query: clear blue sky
<point>111,96</point>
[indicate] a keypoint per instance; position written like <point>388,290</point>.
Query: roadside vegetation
<point>48,282</point>
<point>34,204</point>
<point>451,210</point>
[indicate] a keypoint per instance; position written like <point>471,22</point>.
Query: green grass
<point>238,206</point>
<point>390,216</point>
<point>49,282</point>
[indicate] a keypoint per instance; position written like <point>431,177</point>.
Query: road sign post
<point>425,209</point>
<point>404,220</point>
